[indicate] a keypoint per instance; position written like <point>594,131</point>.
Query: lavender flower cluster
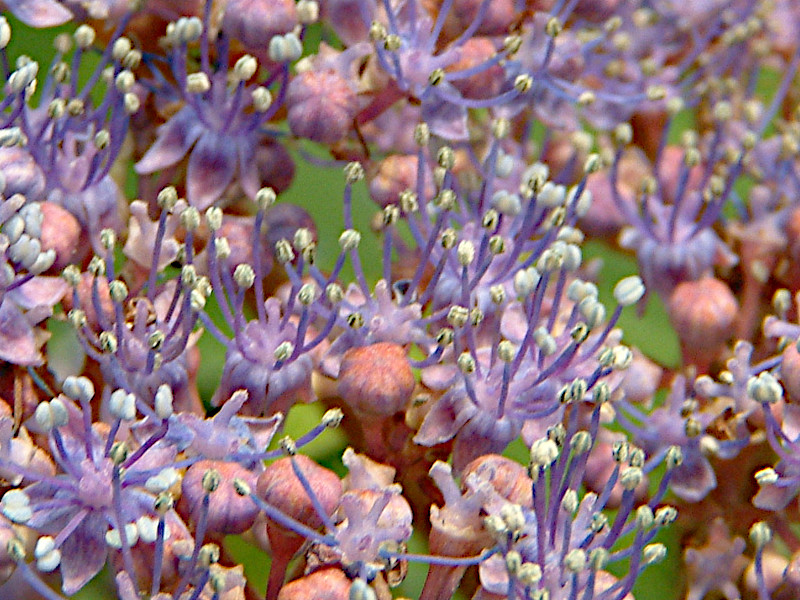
<point>495,138</point>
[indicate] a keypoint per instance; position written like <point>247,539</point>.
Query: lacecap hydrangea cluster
<point>497,435</point>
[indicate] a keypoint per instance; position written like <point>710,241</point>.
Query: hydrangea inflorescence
<point>499,429</point>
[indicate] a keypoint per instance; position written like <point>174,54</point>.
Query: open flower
<point>220,123</point>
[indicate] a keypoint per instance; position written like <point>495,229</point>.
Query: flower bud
<point>764,388</point>
<point>324,584</point>
<point>395,175</point>
<point>122,405</point>
<point>285,48</point>
<point>702,313</point>
<point>228,512</point>
<point>507,477</point>
<point>15,505</point>
<point>5,33</point>
<point>377,379</point>
<point>349,240</point>
<point>79,388</point>
<point>280,487</point>
<point>322,106</point>
<point>48,557</point>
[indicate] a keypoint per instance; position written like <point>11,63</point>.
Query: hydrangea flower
<point>561,542</point>
<point>680,423</point>
<point>144,336</point>
<point>221,120</point>
<point>97,493</point>
<point>74,139</point>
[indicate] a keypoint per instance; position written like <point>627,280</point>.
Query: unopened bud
<point>465,253</point>
<point>244,276</point>
<point>84,36</point>
<point>353,172</point>
<point>422,134</point>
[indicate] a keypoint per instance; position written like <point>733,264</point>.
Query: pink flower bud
<point>279,486</point>
<point>255,22</point>
<point>322,106</point>
<point>485,84</point>
<point>61,232</point>
<point>325,584</point>
<point>228,512</point>
<point>509,478</point>
<point>702,313</point>
<point>377,379</point>
<point>395,174</point>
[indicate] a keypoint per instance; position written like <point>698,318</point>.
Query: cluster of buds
<point>506,426</point>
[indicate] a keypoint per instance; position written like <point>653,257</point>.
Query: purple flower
<point>97,492</point>
<point>219,125</point>
<point>74,141</point>
<point>144,335</point>
<point>781,484</point>
<point>39,13</point>
<point>680,423</point>
<point>322,99</point>
<point>522,385</point>
<point>671,228</point>
<point>735,385</point>
<point>408,60</point>
<point>226,435</point>
<point>273,355</point>
<point>382,320</point>
<point>562,542</point>
<point>261,360</point>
